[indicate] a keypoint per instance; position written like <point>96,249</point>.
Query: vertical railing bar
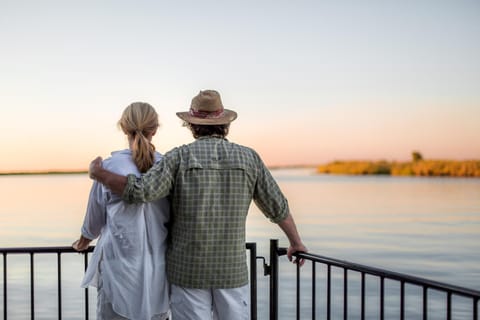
<point>329,291</point>
<point>59,284</point>
<point>298,291</point>
<point>475,309</point>
<point>363,297</point>
<point>425,302</point>
<point>449,305</point>
<point>5,286</point>
<point>345,293</point>
<point>253,280</point>
<point>86,289</point>
<point>382,298</point>
<point>402,300</point>
<point>314,289</point>
<point>32,288</point>
<point>273,279</point>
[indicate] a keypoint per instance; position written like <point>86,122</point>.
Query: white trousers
<point>206,304</point>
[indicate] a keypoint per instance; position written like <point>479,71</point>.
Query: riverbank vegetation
<point>416,167</point>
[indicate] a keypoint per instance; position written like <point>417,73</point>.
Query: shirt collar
<point>213,136</point>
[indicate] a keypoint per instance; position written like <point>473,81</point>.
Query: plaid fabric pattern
<point>211,183</point>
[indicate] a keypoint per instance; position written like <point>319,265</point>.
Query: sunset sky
<point>312,81</point>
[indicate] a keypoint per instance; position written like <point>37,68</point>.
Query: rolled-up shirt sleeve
<point>154,184</point>
<point>268,196</point>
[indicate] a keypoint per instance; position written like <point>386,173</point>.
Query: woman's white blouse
<point>131,248</point>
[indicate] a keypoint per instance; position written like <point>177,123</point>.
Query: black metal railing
<point>272,270</point>
<point>251,247</point>
<point>425,285</point>
<point>32,252</point>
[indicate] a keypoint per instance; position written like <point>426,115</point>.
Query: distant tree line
<point>416,167</point>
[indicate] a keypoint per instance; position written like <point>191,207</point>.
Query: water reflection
<point>429,227</point>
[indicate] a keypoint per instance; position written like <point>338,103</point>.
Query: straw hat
<point>207,109</point>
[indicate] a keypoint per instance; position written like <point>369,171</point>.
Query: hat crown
<point>207,109</point>
<point>207,101</point>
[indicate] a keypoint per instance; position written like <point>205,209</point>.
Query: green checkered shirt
<point>211,183</point>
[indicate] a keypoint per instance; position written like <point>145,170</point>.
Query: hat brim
<point>227,116</point>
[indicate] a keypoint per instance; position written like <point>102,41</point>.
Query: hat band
<point>206,114</point>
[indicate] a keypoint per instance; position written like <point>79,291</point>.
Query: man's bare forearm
<point>112,181</point>
<point>116,183</point>
<point>296,245</point>
<point>290,229</point>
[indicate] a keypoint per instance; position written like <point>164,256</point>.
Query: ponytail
<point>140,120</point>
<point>143,152</point>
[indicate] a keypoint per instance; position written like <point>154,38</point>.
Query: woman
<point>128,263</point>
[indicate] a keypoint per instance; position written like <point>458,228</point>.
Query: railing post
<point>363,297</point>
<point>32,288</point>
<point>425,303</point>
<point>273,279</point>
<point>382,298</point>
<point>298,291</point>
<point>252,246</point>
<point>329,291</point>
<point>402,300</point>
<point>5,286</point>
<point>314,290</point>
<point>345,293</point>
<point>86,289</point>
<point>475,308</point>
<point>59,284</point>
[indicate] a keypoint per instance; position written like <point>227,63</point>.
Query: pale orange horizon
<point>312,82</point>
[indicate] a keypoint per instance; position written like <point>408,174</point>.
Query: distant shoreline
<point>53,172</point>
<point>430,168</point>
<point>46,172</point>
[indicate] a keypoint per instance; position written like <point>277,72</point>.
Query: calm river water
<point>427,227</point>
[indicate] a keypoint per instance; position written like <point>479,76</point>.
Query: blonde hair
<point>139,121</point>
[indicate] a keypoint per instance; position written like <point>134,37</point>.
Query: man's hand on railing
<point>296,245</point>
<point>299,248</point>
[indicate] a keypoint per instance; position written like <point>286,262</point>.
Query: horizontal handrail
<point>64,249</point>
<point>390,275</point>
<point>382,274</point>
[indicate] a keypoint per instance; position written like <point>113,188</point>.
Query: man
<point>211,183</point>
